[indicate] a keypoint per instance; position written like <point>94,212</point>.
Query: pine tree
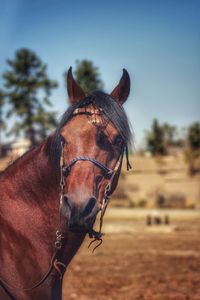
<point>193,150</point>
<point>28,89</point>
<point>170,133</point>
<point>194,136</point>
<point>88,76</point>
<point>155,139</point>
<point>2,123</point>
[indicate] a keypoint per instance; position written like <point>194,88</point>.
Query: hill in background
<point>162,182</point>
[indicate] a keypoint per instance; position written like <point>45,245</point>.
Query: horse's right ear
<point>75,92</point>
<point>122,90</point>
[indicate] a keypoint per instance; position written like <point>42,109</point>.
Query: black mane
<point>111,109</point>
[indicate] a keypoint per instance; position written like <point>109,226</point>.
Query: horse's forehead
<point>76,125</point>
<point>84,125</point>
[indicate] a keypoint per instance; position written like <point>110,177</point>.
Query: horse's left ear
<point>75,92</point>
<point>122,90</point>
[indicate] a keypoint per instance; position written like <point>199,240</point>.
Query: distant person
<point>156,217</point>
<point>148,220</point>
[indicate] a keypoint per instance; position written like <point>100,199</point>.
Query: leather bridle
<point>111,175</point>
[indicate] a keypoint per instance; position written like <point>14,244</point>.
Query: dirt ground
<point>136,262</point>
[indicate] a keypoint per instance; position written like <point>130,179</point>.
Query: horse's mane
<point>111,110</point>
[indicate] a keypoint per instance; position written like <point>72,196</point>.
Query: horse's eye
<point>118,141</point>
<point>103,141</point>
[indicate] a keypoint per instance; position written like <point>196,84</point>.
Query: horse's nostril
<point>89,206</point>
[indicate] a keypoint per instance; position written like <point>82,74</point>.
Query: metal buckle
<point>59,237</point>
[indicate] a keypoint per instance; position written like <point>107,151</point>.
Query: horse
<point>50,197</point>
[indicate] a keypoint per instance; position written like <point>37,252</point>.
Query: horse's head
<point>95,134</point>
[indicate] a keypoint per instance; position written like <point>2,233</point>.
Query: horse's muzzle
<point>81,217</point>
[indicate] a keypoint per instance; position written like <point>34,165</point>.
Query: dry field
<point>165,176</point>
<point>136,262</point>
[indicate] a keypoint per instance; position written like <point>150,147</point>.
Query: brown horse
<point>50,197</point>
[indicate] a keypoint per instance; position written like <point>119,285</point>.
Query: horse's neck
<point>29,218</point>
<point>30,193</point>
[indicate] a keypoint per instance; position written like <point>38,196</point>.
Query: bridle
<point>111,175</point>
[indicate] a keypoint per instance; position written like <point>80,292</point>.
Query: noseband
<point>108,172</point>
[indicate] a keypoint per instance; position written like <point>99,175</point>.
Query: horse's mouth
<point>81,226</point>
<point>79,229</point>
<point>95,235</point>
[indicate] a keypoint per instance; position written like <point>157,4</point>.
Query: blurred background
<point>152,242</point>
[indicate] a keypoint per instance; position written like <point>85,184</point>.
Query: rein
<point>55,264</point>
<point>110,174</point>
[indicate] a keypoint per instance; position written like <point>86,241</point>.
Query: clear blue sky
<point>158,42</point>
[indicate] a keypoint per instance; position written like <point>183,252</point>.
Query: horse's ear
<point>122,90</point>
<point>75,92</point>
